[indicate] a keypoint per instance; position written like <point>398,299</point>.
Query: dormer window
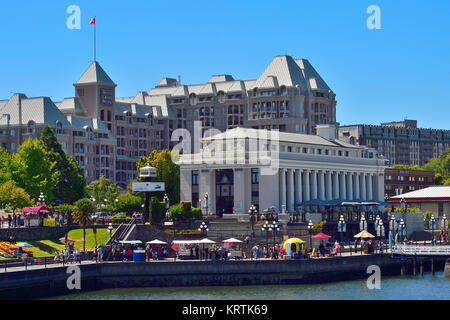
<point>59,127</point>
<point>31,126</point>
<point>192,99</point>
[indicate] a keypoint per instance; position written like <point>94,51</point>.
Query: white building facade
<point>298,169</point>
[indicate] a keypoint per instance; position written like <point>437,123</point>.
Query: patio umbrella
<point>156,241</point>
<point>233,240</point>
<point>24,245</point>
<point>63,239</point>
<point>321,236</point>
<point>364,234</point>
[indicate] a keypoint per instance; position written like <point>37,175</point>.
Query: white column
<point>357,186</point>
<point>290,185</point>
<point>363,187</point>
<point>343,188</point>
<point>369,187</point>
<point>314,184</point>
<point>350,186</point>
<point>306,186</point>
<point>282,188</point>
<point>321,185</point>
<point>329,191</point>
<point>335,185</point>
<point>298,186</point>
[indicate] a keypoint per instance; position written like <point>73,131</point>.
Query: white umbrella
<point>156,241</point>
<point>233,240</point>
<point>206,241</point>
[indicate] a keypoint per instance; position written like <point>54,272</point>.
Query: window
<point>255,176</point>
<point>31,126</point>
<point>195,177</point>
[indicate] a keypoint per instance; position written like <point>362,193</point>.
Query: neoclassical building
<point>286,172</point>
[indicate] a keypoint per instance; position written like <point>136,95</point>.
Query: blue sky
<point>399,71</point>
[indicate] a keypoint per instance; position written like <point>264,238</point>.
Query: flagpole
<point>95,40</point>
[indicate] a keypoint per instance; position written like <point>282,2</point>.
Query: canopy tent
<point>232,240</point>
<point>321,236</point>
<point>131,242</point>
<point>186,241</point>
<point>364,234</point>
<point>206,241</point>
<point>42,209</point>
<point>68,239</point>
<point>291,243</point>
<point>156,241</point>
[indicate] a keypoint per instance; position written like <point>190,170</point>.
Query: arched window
<point>283,90</point>
<point>221,97</point>
<point>59,127</point>
<point>31,126</point>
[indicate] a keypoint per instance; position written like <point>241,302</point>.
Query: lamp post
<point>432,224</point>
<point>401,230</point>
<point>204,229</point>
<point>392,226</point>
<point>110,229</point>
<point>444,227</point>
<point>167,203</point>
<point>147,173</point>
<point>363,223</point>
<point>380,230</point>
<point>267,227</point>
<point>41,198</point>
<point>252,214</point>
<point>206,203</point>
<point>276,229</point>
<point>310,228</point>
<point>341,229</point>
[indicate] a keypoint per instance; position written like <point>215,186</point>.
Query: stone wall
<point>48,282</point>
<point>34,233</point>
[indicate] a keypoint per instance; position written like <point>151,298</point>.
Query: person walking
<point>100,254</point>
<point>2,221</point>
<point>9,221</point>
<point>96,254</point>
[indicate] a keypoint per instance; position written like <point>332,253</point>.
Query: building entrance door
<point>224,192</point>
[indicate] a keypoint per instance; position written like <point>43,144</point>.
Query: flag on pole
<point>92,21</point>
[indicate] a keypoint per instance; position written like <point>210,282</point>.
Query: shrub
<point>186,210</point>
<point>176,212</point>
<point>157,210</point>
<point>196,213</point>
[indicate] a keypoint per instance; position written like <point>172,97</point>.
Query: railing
<point>125,231</point>
<point>40,261</point>
<point>421,250</point>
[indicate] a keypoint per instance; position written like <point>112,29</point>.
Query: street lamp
<point>206,203</point>
<point>203,228</point>
<point>392,227</point>
<point>363,223</point>
<point>110,229</point>
<point>267,227</point>
<point>41,198</point>
<point>310,228</point>
<point>252,214</point>
<point>341,229</point>
<point>167,202</point>
<point>275,228</point>
<point>432,224</point>
<point>444,227</point>
<point>402,230</point>
<point>380,230</point>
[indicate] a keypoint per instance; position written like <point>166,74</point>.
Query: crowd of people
<point>68,255</point>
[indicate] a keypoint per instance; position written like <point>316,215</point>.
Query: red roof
<point>38,208</point>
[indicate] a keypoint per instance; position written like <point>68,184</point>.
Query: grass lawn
<point>48,247</point>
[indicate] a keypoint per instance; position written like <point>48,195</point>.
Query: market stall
<point>34,216</point>
<point>293,247</point>
<point>234,247</point>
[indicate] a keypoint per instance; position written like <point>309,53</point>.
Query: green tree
<point>167,172</point>
<point>32,170</point>
<point>14,196</point>
<point>5,166</point>
<point>81,214</point>
<point>129,203</point>
<point>68,183</point>
<point>441,166</point>
<point>104,189</point>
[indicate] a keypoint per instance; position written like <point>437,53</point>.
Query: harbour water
<point>428,287</point>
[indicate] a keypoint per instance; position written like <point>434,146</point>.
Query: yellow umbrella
<point>364,234</point>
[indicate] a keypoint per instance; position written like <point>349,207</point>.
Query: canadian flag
<point>92,21</point>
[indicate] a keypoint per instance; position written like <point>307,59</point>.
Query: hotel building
<point>107,134</point>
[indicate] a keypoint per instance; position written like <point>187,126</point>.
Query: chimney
<point>327,131</point>
<point>179,80</point>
